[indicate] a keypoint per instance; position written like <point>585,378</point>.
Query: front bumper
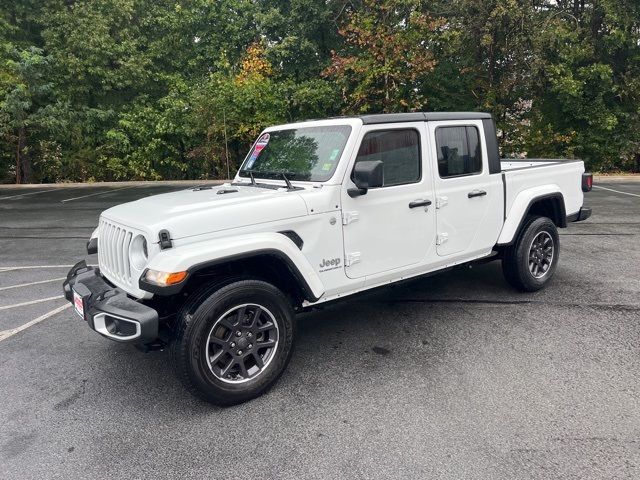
<point>107,309</point>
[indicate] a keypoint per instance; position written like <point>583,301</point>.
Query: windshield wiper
<point>253,180</point>
<point>290,187</point>
<point>287,181</point>
<point>282,175</point>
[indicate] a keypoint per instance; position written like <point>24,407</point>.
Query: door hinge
<point>441,238</point>
<point>349,217</point>
<point>441,201</point>
<point>352,258</point>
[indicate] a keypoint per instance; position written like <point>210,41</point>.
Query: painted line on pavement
<point>617,191</point>
<point>25,194</point>
<point>32,283</point>
<point>32,302</point>
<point>98,193</point>
<point>9,333</point>
<point>33,267</point>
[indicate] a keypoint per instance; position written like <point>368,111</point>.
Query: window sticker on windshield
<point>251,161</point>
<point>334,154</point>
<point>327,166</point>
<point>260,144</point>
<point>262,141</point>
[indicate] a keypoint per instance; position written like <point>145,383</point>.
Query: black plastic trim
<point>92,246</point>
<point>580,215</point>
<point>562,214</point>
<point>491,140</point>
<point>504,197</point>
<point>98,296</point>
<point>584,213</point>
<point>175,289</point>
<point>294,237</point>
<point>421,117</point>
<point>164,239</point>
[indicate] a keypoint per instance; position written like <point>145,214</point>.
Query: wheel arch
<point>269,256</point>
<point>270,265</point>
<point>550,205</point>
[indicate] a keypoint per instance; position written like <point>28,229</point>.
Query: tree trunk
<point>23,165</point>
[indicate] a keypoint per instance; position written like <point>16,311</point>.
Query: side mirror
<point>367,174</point>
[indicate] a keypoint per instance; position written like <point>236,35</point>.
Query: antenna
<point>226,144</point>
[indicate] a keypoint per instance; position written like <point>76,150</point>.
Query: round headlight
<point>138,253</point>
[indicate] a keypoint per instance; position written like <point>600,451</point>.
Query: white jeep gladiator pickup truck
<point>319,210</point>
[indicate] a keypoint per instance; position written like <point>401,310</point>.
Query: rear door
<point>469,198</point>
<point>390,227</point>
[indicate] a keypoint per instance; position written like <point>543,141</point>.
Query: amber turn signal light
<point>164,279</point>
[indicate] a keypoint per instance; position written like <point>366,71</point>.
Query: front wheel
<point>233,343</point>
<point>530,262</point>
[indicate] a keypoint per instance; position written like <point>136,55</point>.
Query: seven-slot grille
<point>113,251</point>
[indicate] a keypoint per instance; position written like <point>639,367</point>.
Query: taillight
<point>587,182</point>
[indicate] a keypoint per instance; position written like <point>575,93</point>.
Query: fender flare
<point>211,252</point>
<point>521,206</point>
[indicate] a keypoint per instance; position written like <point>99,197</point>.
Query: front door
<point>469,198</point>
<point>390,227</point>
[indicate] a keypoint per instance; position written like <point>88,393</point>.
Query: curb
<point>617,178</point>
<point>11,186</point>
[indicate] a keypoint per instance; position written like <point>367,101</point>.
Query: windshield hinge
<point>352,258</point>
<point>349,217</point>
<point>441,238</point>
<point>441,201</point>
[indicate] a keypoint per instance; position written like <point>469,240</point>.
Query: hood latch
<point>165,239</point>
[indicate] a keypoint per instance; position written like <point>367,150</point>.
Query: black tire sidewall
<point>203,319</point>
<point>535,226</point>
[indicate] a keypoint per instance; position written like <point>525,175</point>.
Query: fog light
<point>164,279</point>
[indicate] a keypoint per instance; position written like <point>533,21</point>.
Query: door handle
<point>476,193</point>
<point>420,203</point>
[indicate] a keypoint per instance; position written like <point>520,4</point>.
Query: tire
<point>205,332</point>
<point>530,273</point>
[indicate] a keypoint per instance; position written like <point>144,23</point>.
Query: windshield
<point>307,153</point>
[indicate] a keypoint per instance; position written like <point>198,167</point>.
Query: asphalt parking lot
<point>452,376</point>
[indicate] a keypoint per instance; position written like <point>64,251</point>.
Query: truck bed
<point>527,174</point>
<point>526,163</point>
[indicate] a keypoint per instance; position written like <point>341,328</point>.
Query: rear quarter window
<point>459,151</point>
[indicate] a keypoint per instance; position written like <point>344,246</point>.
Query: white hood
<point>194,212</point>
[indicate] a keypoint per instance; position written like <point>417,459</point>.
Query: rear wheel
<point>530,262</point>
<point>233,343</point>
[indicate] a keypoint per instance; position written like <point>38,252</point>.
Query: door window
<point>399,151</point>
<point>458,151</point>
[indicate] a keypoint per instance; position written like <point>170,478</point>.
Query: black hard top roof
<point>421,117</point>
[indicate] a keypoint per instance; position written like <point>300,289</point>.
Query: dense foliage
<point>151,89</point>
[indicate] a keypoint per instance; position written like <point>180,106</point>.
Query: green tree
<point>386,56</point>
<point>587,96</point>
<point>28,108</point>
<point>126,89</point>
